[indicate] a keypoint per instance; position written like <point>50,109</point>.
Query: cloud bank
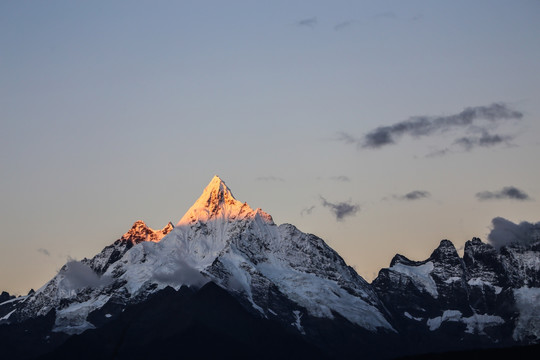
<point>505,232</point>
<point>423,126</point>
<point>507,192</point>
<point>341,209</point>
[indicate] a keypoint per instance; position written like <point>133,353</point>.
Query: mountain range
<point>227,281</point>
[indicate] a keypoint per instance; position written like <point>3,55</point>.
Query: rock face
<point>284,276</point>
<point>486,298</point>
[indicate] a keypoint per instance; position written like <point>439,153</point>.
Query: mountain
<point>487,298</point>
<point>282,282</point>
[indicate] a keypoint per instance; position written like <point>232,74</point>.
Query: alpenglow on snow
<point>219,239</point>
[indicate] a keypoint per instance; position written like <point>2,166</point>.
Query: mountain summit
<point>217,202</point>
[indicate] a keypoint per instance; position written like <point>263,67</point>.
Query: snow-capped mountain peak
<point>218,202</point>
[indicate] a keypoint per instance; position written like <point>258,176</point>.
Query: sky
<point>383,127</point>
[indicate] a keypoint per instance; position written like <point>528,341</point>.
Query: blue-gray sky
<point>113,111</point>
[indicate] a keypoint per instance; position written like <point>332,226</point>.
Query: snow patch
<point>480,282</point>
<point>20,298</point>
<point>448,315</point>
<point>7,315</point>
<point>419,275</point>
<point>272,312</point>
<point>477,323</point>
<point>407,315</point>
<point>528,304</point>
<point>452,279</point>
<point>72,320</point>
<point>298,316</point>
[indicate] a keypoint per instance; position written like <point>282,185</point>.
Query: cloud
<point>307,211</point>
<point>485,140</point>
<point>415,195</point>
<point>341,209</point>
<point>77,275</point>
<point>438,153</point>
<point>422,126</point>
<point>44,251</point>
<point>505,232</point>
<point>343,25</point>
<point>507,192</point>
<point>180,274</point>
<point>309,22</point>
<point>341,178</point>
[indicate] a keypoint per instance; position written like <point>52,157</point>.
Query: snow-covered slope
<point>488,293</point>
<point>487,297</point>
<point>276,271</point>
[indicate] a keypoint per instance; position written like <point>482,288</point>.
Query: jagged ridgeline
<point>271,284</point>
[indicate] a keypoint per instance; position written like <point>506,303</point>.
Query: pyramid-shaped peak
<point>217,187</point>
<point>216,194</point>
<point>216,201</point>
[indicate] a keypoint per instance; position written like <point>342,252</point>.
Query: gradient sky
<point>113,111</point>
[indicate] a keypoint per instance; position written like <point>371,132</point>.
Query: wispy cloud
<point>505,232</point>
<point>341,178</point>
<point>507,192</point>
<point>44,251</point>
<point>269,178</point>
<point>485,140</point>
<point>307,211</point>
<point>343,25</point>
<point>414,195</point>
<point>341,209</point>
<point>423,126</point>
<point>309,22</point>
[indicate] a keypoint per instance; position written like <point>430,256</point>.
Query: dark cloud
<point>341,209</point>
<point>44,251</point>
<point>415,195</point>
<point>307,211</point>
<point>505,232</point>
<point>309,22</point>
<point>341,178</point>
<point>507,192</point>
<point>343,25</point>
<point>485,140</point>
<point>77,275</point>
<point>269,178</point>
<point>419,126</point>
